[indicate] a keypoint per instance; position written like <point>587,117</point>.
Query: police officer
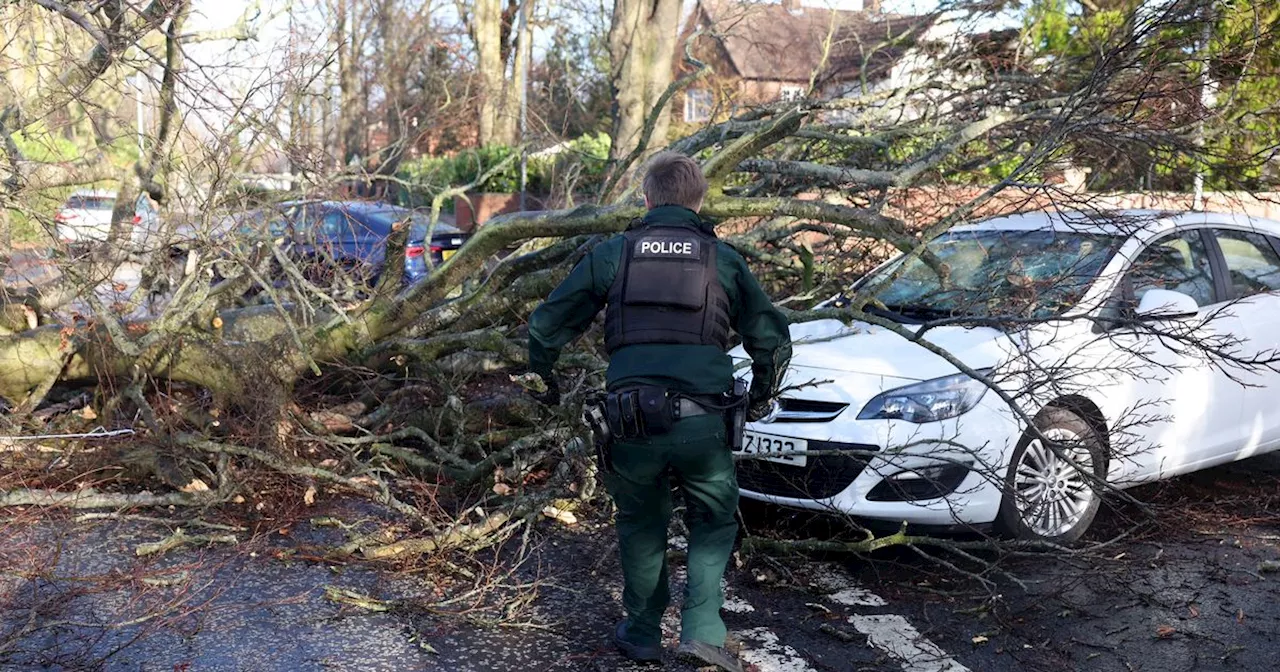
<point>672,292</point>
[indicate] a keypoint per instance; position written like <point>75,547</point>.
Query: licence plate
<point>766,444</point>
<point>445,254</point>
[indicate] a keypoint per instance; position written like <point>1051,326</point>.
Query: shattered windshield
<point>1025,274</point>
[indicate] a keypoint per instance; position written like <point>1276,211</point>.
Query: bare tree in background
<point>502,47</point>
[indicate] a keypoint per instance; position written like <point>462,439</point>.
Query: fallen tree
<point>263,356</point>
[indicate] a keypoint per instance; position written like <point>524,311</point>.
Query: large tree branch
<point>79,77</point>
<point>840,176</point>
<point>821,174</point>
<point>244,29</point>
<point>77,18</point>
<point>719,166</point>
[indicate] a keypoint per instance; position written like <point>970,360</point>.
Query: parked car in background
<point>351,236</point>
<point>85,218</point>
<point>1108,358</point>
<point>327,239</point>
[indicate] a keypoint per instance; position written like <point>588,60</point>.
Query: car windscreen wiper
<point>894,315</point>
<point>925,313</point>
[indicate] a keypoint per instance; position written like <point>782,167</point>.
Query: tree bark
<point>350,118</point>
<point>642,42</point>
<point>509,115</point>
<point>486,33</point>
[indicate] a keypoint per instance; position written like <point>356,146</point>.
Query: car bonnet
<point>859,347</point>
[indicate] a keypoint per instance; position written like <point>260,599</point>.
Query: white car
<point>1145,351</point>
<point>86,218</point>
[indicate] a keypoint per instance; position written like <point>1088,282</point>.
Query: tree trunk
<point>642,41</point>
<point>486,32</point>
<point>396,60</point>
<point>349,122</point>
<point>509,114</point>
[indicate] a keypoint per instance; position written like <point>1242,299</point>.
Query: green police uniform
<point>695,450</point>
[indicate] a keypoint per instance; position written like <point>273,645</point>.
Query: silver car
<point>86,218</point>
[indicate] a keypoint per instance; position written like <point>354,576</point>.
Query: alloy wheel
<point>1051,494</point>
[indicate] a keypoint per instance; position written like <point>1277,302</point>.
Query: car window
<point>1252,263</point>
<point>1036,273</point>
<point>379,222</point>
<point>277,225</point>
<point>90,203</point>
<point>1178,263</point>
<point>337,224</point>
<point>304,219</point>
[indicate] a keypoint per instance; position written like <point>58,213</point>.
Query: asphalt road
<point>1187,594</point>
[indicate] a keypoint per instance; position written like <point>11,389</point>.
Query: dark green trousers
<point>697,453</point>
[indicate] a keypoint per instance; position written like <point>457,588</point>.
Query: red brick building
<point>762,53</point>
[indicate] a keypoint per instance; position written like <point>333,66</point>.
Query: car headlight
<point>930,401</point>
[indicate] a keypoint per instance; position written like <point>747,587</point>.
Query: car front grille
<point>822,476</point>
<point>807,410</point>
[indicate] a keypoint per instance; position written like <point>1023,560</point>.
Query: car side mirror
<point>1166,304</point>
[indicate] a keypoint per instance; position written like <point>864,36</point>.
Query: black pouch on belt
<point>657,410</point>
<point>638,412</point>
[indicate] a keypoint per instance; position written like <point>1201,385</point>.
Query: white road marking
<point>892,634</point>
<point>889,633</point>
<point>844,589</point>
<point>770,655</point>
<point>733,603</point>
<point>857,597</point>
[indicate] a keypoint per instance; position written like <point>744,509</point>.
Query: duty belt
<point>687,408</point>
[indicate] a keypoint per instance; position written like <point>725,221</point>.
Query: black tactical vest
<point>667,290</point>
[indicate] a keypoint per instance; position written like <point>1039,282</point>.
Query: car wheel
<point>1046,498</point>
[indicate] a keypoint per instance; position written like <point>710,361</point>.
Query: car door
<point>347,240</point>
<point>362,238</point>
<point>1175,411</point>
<point>1251,264</point>
<point>341,248</point>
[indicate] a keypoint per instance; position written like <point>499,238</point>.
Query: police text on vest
<point>668,247</point>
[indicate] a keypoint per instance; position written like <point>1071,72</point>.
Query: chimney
<point>792,6</point>
<point>872,6</point>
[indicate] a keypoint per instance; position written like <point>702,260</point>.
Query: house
<point>765,52</point>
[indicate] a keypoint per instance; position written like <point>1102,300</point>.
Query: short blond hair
<point>674,179</point>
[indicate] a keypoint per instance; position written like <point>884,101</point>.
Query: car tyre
<point>1046,498</point>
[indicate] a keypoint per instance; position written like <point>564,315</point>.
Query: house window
<point>791,93</point>
<point>697,105</point>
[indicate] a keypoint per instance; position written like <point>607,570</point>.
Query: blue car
<point>328,238</point>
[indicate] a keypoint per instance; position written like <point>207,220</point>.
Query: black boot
<point>702,653</point>
<point>634,651</point>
